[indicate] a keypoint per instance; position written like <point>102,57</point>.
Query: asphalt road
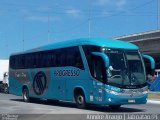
<point>10,104</point>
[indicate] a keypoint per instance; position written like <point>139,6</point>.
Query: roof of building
<point>148,35</point>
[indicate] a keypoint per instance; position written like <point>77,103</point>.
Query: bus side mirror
<point>103,56</point>
<point>151,59</point>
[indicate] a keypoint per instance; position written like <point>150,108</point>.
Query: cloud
<point>115,3</point>
<point>105,14</point>
<point>73,12</point>
<point>103,2</point>
<point>121,3</point>
<point>44,9</point>
<point>43,18</point>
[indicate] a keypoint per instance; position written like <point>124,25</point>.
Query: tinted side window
<point>63,56</point>
<point>12,62</point>
<point>28,61</point>
<point>74,57</point>
<point>58,58</point>
<point>52,58</point>
<point>98,69</point>
<point>88,49</point>
<point>19,62</point>
<point>69,57</point>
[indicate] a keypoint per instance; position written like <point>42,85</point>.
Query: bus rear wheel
<point>114,107</point>
<point>80,100</point>
<point>25,94</point>
<point>6,88</point>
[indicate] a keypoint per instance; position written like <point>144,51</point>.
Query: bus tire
<point>114,107</point>
<point>80,100</point>
<point>25,94</point>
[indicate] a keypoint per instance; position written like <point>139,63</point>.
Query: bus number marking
<point>66,72</point>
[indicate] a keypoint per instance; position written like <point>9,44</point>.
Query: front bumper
<point>121,100</point>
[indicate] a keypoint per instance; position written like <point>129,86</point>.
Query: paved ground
<point>10,104</point>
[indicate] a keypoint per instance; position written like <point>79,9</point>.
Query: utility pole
<point>89,20</point>
<point>7,53</point>
<point>23,34</point>
<point>7,50</point>
<point>48,28</point>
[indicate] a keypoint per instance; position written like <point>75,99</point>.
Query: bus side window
<point>78,59</point>
<point>63,58</point>
<point>79,63</point>
<point>98,69</point>
<point>12,62</point>
<point>73,57</point>
<point>88,49</point>
<point>57,53</point>
<point>70,58</point>
<point>53,59</point>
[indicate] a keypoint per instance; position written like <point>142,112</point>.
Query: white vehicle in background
<point>4,64</point>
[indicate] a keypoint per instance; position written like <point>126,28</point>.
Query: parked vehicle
<point>4,85</point>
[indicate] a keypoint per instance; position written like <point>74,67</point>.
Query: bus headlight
<point>112,92</point>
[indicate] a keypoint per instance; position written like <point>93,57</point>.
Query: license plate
<point>131,101</point>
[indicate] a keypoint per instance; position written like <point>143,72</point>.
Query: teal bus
<point>85,71</point>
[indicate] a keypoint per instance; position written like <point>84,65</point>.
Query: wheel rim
<point>80,99</point>
<point>25,95</point>
<point>6,90</point>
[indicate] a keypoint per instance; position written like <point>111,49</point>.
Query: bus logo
<point>39,83</point>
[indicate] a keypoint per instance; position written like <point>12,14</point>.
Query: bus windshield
<point>126,68</point>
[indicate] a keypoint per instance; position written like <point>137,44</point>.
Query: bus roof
<point>86,41</point>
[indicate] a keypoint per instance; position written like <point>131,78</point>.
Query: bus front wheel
<point>80,100</point>
<point>25,94</point>
<point>114,107</point>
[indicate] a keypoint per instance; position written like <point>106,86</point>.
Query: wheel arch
<point>23,87</point>
<point>79,89</point>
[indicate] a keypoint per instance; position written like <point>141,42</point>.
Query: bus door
<point>98,72</point>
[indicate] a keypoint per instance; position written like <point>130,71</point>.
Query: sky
<point>25,24</point>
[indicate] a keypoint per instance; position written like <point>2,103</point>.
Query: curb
<point>153,101</point>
